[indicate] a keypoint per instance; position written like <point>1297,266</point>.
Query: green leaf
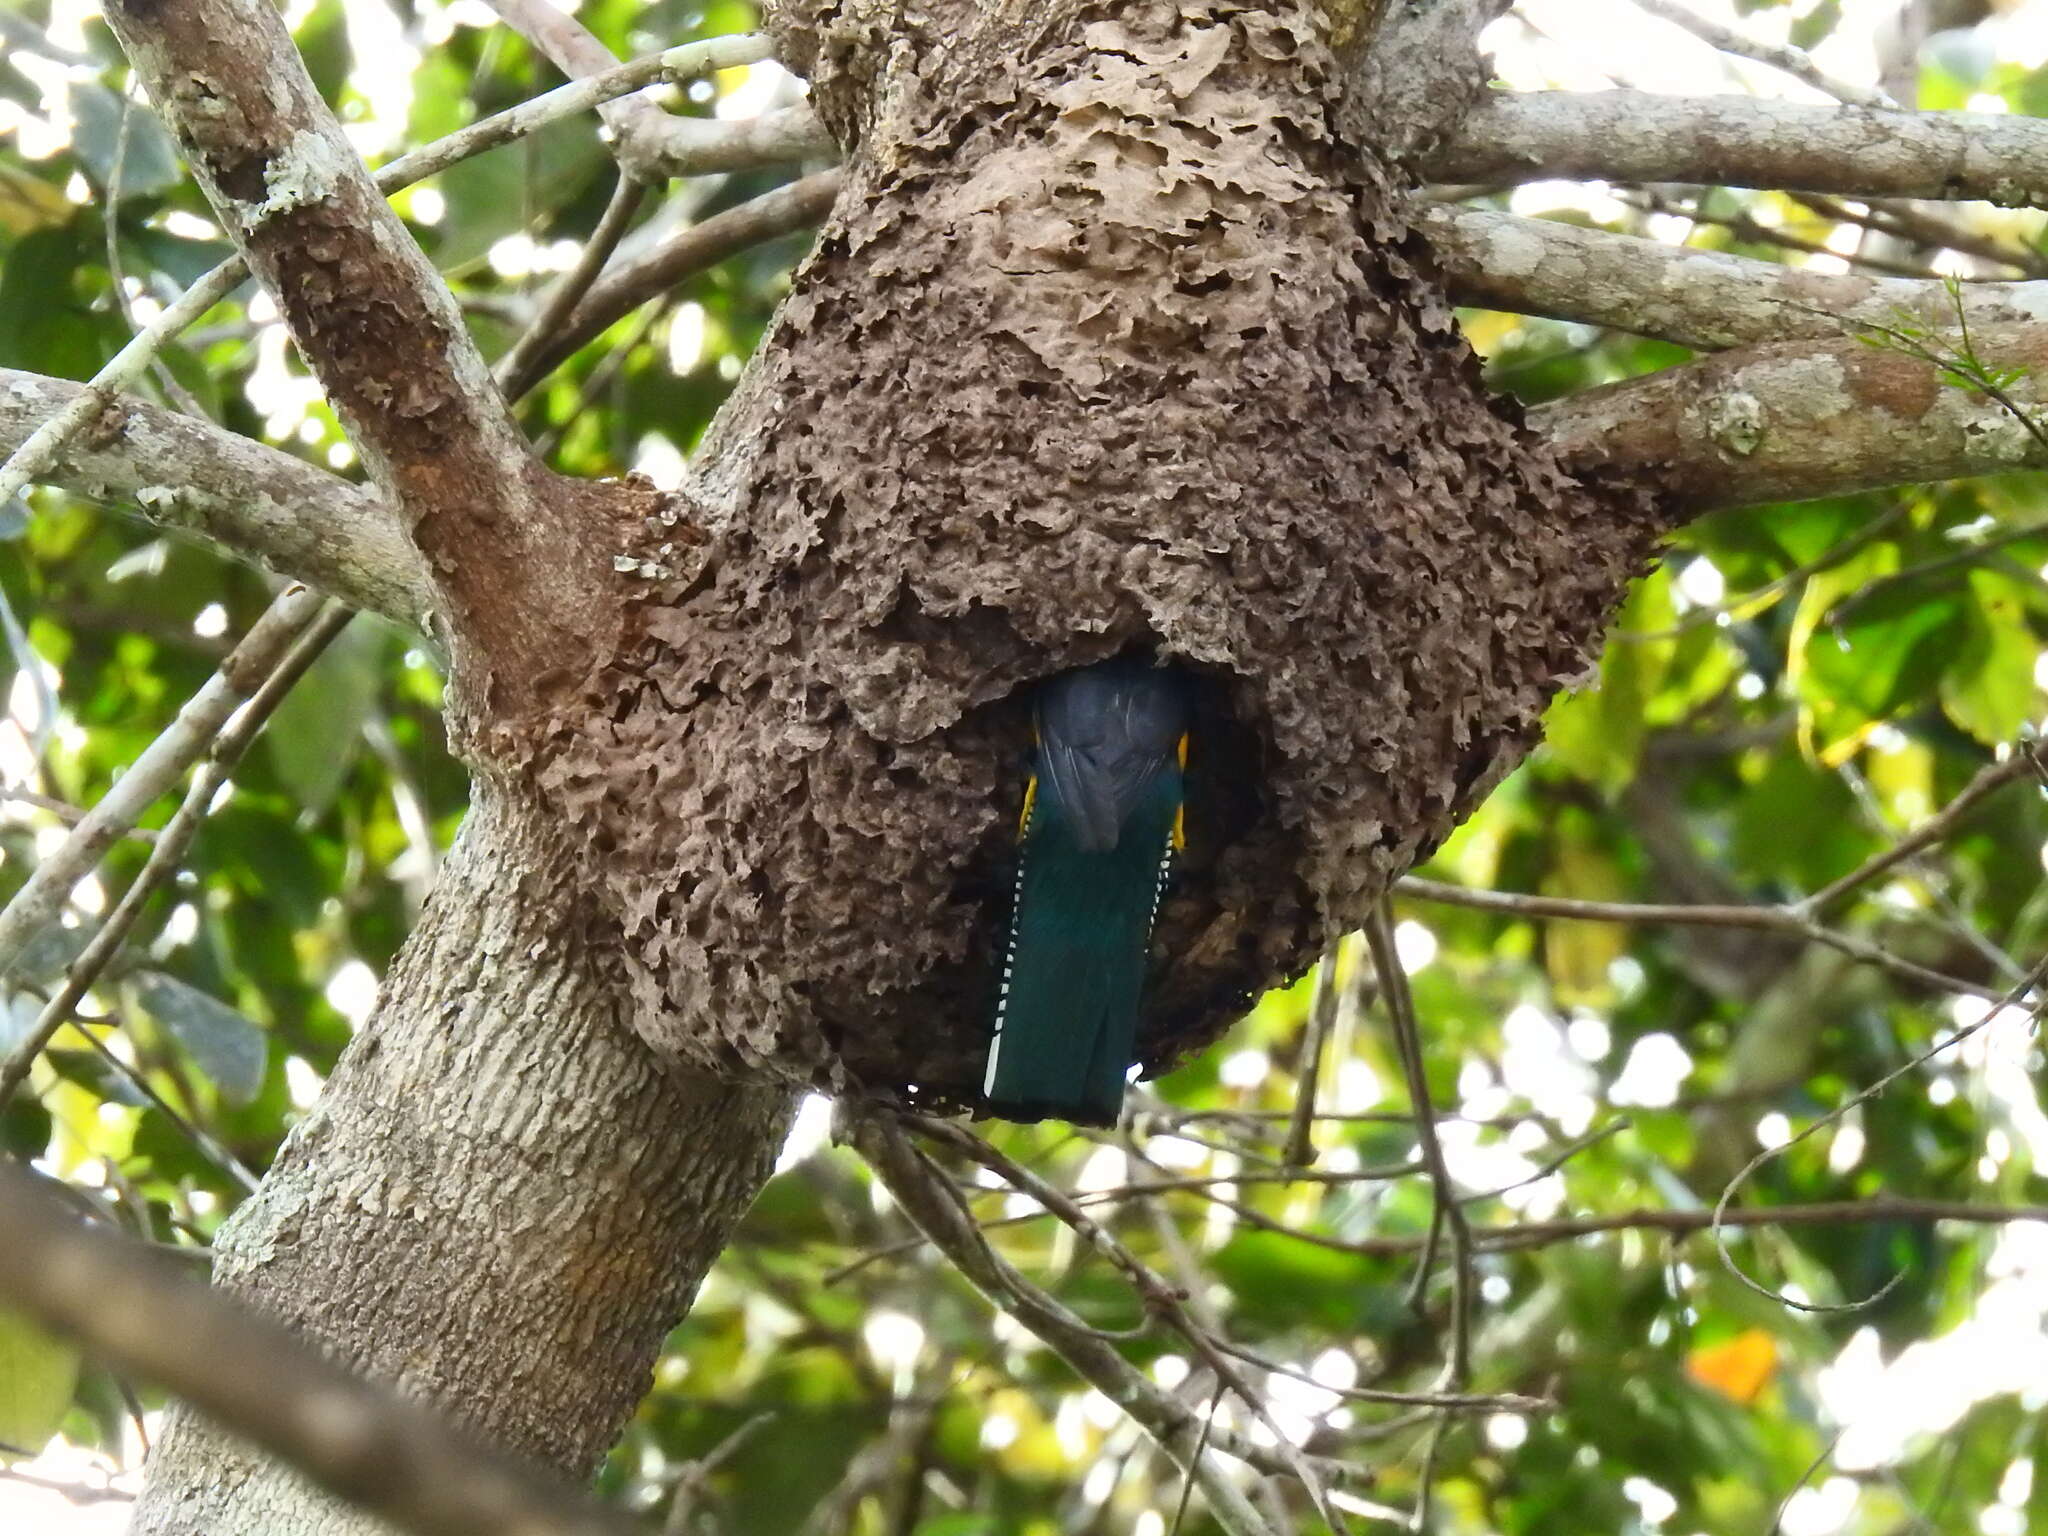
<point>507,190</point>
<point>1287,1284</point>
<point>146,158</point>
<point>1806,530</point>
<point>1878,654</point>
<point>324,44</point>
<point>25,1127</point>
<point>1988,689</point>
<point>28,202</point>
<point>43,326</point>
<point>94,1073</point>
<point>314,737</point>
<point>1962,54</point>
<point>1598,731</point>
<point>38,1374</point>
<point>49,954</point>
<point>1817,24</point>
<point>1577,954</point>
<point>1797,823</point>
<point>226,1046</point>
<point>183,261</point>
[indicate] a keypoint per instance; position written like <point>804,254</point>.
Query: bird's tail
<point>1080,941</point>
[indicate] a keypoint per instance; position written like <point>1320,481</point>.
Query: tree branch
<point>652,144</point>
<point>1789,920</point>
<point>1424,74</point>
<point>1161,1300</point>
<point>373,320</point>
<point>570,289</point>
<point>682,255</point>
<point>687,62</point>
<point>382,560</point>
<point>138,1312</point>
<point>1741,141</point>
<point>1830,1213</point>
<point>2025,762</point>
<point>1780,56</point>
<point>255,502</point>
<point>1707,300</point>
<point>369,314</point>
<point>1803,419</point>
<point>1515,1236</point>
<point>634,121</point>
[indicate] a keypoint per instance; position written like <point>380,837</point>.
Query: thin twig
<point>72,1493</point>
<point>1450,1210</point>
<point>1555,1161</point>
<point>634,122</point>
<point>599,379</point>
<point>691,61</point>
<point>1826,1451</point>
<point>1780,56</point>
<point>1745,227</point>
<point>693,1475</point>
<point>656,273</point>
<point>930,1201</point>
<point>117,277</point>
<point>1766,919</point>
<point>1907,223</point>
<point>1864,1096</point>
<point>1299,1150</point>
<point>1160,1299</point>
<point>2024,761</point>
<point>220,1155</point>
<point>1187,1482</point>
<point>568,293</point>
<point>39,450</point>
<point>1515,1237</point>
<point>1449,1402</point>
<point>1966,555</point>
<point>66,812</point>
<point>1749,604</point>
<point>169,853</point>
<point>1425,1481</point>
<point>153,773</point>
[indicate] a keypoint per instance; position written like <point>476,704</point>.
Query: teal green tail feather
<point>1096,839</point>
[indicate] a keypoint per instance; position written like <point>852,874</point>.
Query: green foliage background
<point>1791,690</point>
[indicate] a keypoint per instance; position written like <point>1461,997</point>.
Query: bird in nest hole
<point>1101,823</point>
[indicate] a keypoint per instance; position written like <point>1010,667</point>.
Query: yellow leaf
<point>1579,954</point>
<point>1738,1368</point>
<point>38,1374</point>
<point>28,203</point>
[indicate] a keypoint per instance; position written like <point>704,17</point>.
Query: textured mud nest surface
<point>1110,341</point>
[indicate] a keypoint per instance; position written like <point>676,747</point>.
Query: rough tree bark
<point>501,1202</point>
<point>1118,335</point>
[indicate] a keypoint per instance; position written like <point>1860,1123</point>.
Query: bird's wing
<point>1105,734</point>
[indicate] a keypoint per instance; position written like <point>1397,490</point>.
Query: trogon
<point>1100,825</point>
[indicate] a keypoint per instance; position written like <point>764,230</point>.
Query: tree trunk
<point>502,1201</point>
<point>1117,337</point>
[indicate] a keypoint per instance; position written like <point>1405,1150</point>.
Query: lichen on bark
<point>1113,339</point>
